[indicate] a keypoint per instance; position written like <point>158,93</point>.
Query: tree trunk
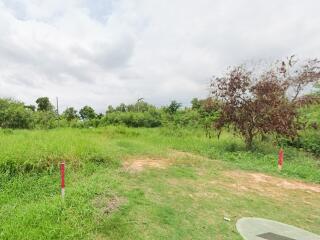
<point>249,140</point>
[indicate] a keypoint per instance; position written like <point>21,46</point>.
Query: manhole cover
<point>263,229</point>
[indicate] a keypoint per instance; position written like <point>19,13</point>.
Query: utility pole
<point>138,101</point>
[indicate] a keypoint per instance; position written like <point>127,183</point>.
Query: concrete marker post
<point>62,168</point>
<point>280,159</point>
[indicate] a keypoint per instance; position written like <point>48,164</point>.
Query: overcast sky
<point>102,52</point>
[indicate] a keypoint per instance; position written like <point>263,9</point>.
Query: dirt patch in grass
<point>266,185</point>
<point>176,154</point>
<point>108,205</point>
<point>138,164</point>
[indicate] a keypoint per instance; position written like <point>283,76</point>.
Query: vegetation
<point>13,114</point>
<point>70,114</point>
<point>143,172</point>
<point>260,105</point>
<point>153,204</point>
<point>44,104</point>
<point>87,113</point>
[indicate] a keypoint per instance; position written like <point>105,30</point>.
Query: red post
<point>62,178</point>
<point>280,159</point>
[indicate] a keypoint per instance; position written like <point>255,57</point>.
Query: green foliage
<point>70,114</point>
<point>87,113</point>
<point>110,109</point>
<point>309,139</point>
<point>194,190</point>
<point>45,120</point>
<point>121,108</point>
<point>140,114</point>
<point>31,107</point>
<point>41,148</point>
<point>139,106</point>
<point>185,118</point>
<point>133,119</point>
<point>44,104</point>
<point>13,114</point>
<point>195,104</point>
<point>173,107</point>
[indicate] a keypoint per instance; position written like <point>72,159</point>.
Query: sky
<point>104,52</point>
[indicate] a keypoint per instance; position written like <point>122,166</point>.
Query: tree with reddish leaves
<point>266,103</point>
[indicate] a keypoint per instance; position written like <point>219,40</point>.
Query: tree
<point>44,104</point>
<point>31,107</point>
<point>45,119</point>
<point>209,111</point>
<point>87,113</point>
<point>195,104</point>
<point>110,109</point>
<point>70,114</point>
<point>173,107</point>
<point>261,104</point>
<point>13,114</point>
<point>121,108</point>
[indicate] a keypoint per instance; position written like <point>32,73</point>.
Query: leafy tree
<point>70,114</point>
<point>140,106</point>
<point>13,114</point>
<point>209,112</point>
<point>173,107</point>
<point>110,109</point>
<point>99,116</point>
<point>31,107</point>
<point>45,119</point>
<point>87,113</point>
<point>121,108</point>
<point>133,119</point>
<point>262,104</point>
<point>195,104</point>
<point>44,104</point>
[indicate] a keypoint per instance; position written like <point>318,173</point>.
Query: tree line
<point>17,115</point>
<point>250,102</point>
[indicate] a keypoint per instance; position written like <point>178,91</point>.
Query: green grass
<point>311,113</point>
<point>182,201</point>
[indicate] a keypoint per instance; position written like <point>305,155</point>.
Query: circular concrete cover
<point>263,229</point>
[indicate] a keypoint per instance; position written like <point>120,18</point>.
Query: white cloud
<point>107,52</point>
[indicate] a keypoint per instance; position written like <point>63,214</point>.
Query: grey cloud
<point>108,56</point>
<point>107,52</point>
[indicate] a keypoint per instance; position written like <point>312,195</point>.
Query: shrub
<point>133,119</point>
<point>45,119</point>
<point>309,140</point>
<point>13,114</point>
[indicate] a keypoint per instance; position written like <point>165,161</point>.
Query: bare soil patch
<point>108,205</point>
<point>266,185</point>
<point>138,164</point>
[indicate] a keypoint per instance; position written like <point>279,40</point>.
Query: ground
<point>143,184</point>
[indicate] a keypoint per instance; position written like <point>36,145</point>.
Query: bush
<point>309,141</point>
<point>45,120</point>
<point>182,118</point>
<point>13,114</point>
<point>133,119</point>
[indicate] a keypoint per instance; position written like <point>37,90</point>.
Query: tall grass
<point>24,151</point>
<point>176,202</point>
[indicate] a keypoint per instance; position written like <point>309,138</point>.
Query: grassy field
<point>159,183</point>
